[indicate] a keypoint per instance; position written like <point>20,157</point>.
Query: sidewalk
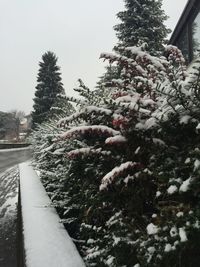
<point>8,217</point>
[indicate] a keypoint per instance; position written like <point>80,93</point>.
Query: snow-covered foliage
<point>142,21</point>
<point>123,170</point>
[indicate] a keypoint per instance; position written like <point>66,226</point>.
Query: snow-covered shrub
<point>118,130</point>
<point>128,161</point>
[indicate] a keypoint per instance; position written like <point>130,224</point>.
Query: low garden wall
<point>44,241</point>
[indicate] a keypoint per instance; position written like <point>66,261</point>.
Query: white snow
<point>151,250</point>
<point>109,177</point>
<point>137,150</point>
<point>110,261</point>
<point>138,51</point>
<point>14,149</point>
<point>87,151</point>
<point>116,240</point>
<point>147,102</point>
<point>151,123</point>
<point>198,126</point>
<point>172,189</point>
<point>185,119</point>
<point>116,139</point>
<point>179,214</point>
<point>168,248</point>
<point>46,241</point>
<point>185,185</point>
<point>182,235</point>
<point>196,164</point>
<point>88,110</point>
<point>85,129</point>
<point>152,229</point>
<point>91,109</point>
<point>9,194</point>
<point>158,141</point>
<point>187,161</point>
<point>70,118</point>
<point>90,241</point>
<point>59,151</point>
<point>128,98</point>
<point>158,193</point>
<point>48,148</point>
<point>196,225</point>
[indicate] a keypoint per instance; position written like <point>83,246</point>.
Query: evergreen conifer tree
<point>111,72</point>
<point>48,87</point>
<point>142,22</point>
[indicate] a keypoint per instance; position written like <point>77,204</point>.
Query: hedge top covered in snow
<point>46,242</point>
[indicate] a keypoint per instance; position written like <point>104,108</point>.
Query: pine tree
<point>48,87</point>
<point>111,72</point>
<point>142,22</point>
<point>61,107</point>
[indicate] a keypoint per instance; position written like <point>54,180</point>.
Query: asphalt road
<point>9,175</point>
<point>9,159</point>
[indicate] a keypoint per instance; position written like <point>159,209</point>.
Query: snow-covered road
<point>8,203</point>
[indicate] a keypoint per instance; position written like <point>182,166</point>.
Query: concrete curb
<point>46,241</point>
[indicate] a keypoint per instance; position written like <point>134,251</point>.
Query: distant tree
<point>61,107</point>
<point>3,122</point>
<point>111,72</point>
<point>142,22</point>
<point>20,114</point>
<point>10,124</point>
<point>48,87</point>
<point>17,117</point>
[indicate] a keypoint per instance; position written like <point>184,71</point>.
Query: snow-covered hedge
<point>123,170</point>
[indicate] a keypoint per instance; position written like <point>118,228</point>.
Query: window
<point>196,35</point>
<point>183,44</point>
<point>187,33</point>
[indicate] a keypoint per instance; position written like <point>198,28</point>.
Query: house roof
<point>191,8</point>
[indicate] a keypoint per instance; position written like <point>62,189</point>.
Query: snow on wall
<point>46,242</point>
<point>14,149</point>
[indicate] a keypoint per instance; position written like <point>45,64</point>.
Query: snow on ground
<point>8,216</point>
<point>14,149</point>
<point>8,192</point>
<point>46,242</point>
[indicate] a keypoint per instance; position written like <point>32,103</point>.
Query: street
<point>9,159</point>
<point>9,175</point>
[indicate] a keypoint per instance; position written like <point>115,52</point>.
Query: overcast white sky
<point>77,31</point>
